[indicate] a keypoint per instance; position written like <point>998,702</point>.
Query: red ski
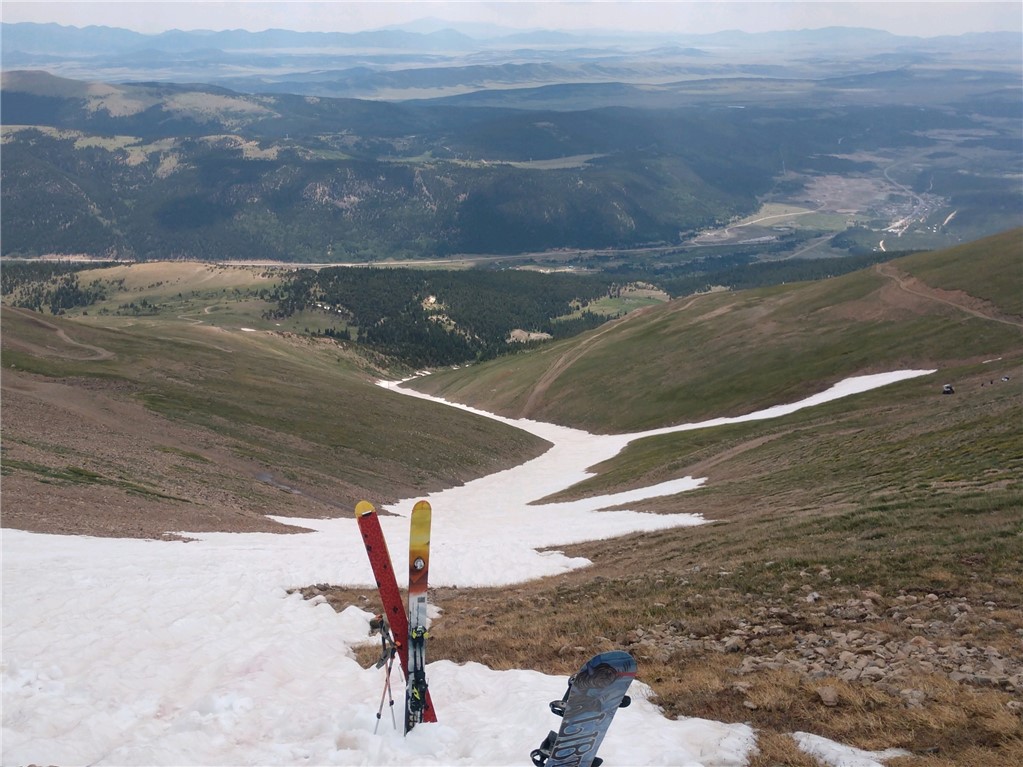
<point>387,585</point>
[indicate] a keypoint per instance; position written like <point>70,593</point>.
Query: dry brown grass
<point>776,749</point>
<point>547,626</point>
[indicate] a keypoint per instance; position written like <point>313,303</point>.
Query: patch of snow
<point>836,755</point>
<point>141,652</point>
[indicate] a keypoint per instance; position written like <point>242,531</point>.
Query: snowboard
<point>593,697</point>
<point>387,585</point>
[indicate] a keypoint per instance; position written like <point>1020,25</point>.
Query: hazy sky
<point>922,17</point>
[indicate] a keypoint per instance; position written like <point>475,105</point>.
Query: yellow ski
<point>417,701</point>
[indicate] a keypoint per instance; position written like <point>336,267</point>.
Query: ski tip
<point>422,506</point>
<point>364,507</point>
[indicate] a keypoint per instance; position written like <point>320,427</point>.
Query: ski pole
<point>386,693</point>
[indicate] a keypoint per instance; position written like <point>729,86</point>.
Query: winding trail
<point>916,287</point>
<point>564,362</point>
<point>572,356</point>
<point>98,352</point>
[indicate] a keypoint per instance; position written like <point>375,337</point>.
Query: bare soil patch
<point>88,459</point>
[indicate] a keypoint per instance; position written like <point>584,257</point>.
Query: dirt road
<point>976,307</point>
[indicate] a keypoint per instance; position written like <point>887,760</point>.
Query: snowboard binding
<point>558,706</point>
<point>543,753</point>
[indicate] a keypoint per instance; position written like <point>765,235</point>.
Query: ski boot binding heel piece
<point>542,754</point>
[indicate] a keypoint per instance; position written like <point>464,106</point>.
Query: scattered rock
<point>870,639</point>
<point>734,644</point>
<point>828,695</point>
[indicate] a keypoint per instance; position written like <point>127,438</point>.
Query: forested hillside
<point>205,199</point>
<point>427,318</point>
<point>435,317</point>
<point>157,171</point>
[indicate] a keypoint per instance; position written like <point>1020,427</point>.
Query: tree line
<point>442,317</point>
<point>53,285</point>
<point>428,318</point>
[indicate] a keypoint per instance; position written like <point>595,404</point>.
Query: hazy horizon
<point>922,19</point>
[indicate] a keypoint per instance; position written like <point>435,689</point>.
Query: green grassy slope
<point>883,516</point>
<point>990,269</point>
<point>729,353</point>
<point>209,377</point>
<point>242,413</point>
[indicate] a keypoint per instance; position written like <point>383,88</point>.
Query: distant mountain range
<point>402,144</point>
<point>430,59</point>
<point>31,37</point>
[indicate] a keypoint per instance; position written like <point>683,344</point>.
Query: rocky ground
<point>866,639</point>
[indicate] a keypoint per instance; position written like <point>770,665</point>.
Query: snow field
<point>121,651</point>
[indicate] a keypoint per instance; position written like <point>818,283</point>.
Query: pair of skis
<point>408,629</point>
<point>589,704</point>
